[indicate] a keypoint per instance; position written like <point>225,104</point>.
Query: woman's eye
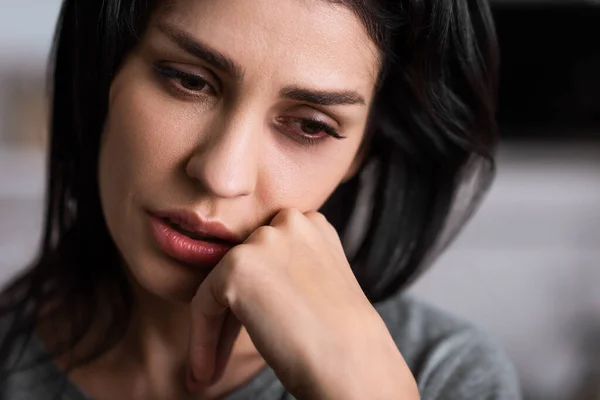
<point>187,82</point>
<point>308,130</point>
<point>311,127</point>
<point>194,83</point>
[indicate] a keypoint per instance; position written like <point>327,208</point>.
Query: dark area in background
<point>550,70</point>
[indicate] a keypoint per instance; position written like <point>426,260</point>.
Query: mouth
<point>193,241</point>
<point>193,235</point>
<point>196,227</point>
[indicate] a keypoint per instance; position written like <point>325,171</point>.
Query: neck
<point>157,326</point>
<point>158,339</point>
<point>150,360</point>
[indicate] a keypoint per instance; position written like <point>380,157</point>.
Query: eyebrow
<point>220,61</point>
<point>323,98</point>
<point>200,50</point>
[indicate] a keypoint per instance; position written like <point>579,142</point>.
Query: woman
<point>193,144</point>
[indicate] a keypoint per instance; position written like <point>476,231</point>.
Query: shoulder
<point>449,357</point>
<point>27,371</point>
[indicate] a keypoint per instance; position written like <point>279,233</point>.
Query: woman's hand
<point>290,285</point>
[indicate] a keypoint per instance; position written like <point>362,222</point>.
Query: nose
<point>225,164</point>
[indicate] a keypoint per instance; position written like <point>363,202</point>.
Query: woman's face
<point>225,113</point>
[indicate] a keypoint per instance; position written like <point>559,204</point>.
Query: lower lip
<point>185,249</point>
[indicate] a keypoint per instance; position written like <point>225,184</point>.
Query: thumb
<point>207,319</point>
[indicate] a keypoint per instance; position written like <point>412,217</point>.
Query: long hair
<point>430,157</point>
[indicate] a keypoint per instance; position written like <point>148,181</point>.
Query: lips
<point>186,237</point>
<point>196,225</point>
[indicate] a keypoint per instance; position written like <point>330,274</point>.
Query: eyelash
<point>178,75</point>
<point>308,138</point>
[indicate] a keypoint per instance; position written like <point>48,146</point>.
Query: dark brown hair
<point>433,129</point>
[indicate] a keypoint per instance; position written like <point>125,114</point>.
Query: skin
<point>229,147</point>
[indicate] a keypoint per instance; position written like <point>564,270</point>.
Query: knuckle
<point>230,293</point>
<point>292,217</point>
<point>236,271</point>
<point>317,217</point>
<point>238,257</point>
<point>322,223</point>
<point>264,234</point>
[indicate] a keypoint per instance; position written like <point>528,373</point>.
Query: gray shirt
<point>450,359</point>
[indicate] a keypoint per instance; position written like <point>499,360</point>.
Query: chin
<point>165,279</point>
<point>151,272</point>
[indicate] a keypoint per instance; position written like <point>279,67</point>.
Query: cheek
<point>140,141</point>
<point>135,160</point>
<point>304,178</point>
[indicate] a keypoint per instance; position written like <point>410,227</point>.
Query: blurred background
<point>527,268</point>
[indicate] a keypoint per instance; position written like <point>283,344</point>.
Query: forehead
<point>308,41</point>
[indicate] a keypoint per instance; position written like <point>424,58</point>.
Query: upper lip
<point>194,223</point>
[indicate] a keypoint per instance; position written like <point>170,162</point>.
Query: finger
<point>324,227</point>
<point>208,316</point>
<point>287,216</point>
<point>321,222</point>
<point>229,333</point>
